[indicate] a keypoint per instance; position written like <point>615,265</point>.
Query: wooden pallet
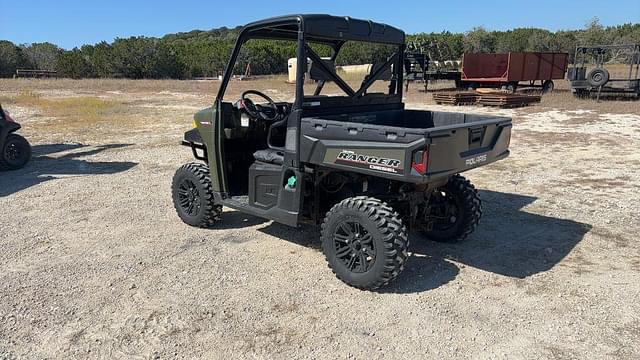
<point>507,100</point>
<point>455,98</point>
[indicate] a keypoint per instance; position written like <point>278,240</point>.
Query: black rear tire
<point>364,242</point>
<point>16,152</point>
<point>459,205</point>
<point>548,86</point>
<point>193,196</point>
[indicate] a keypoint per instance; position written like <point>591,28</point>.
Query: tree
<point>101,59</point>
<point>42,56</point>
<point>73,64</point>
<point>593,34</point>
<point>479,40</point>
<point>206,53</point>
<point>11,58</point>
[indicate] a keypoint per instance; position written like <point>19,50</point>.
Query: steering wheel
<point>257,110</point>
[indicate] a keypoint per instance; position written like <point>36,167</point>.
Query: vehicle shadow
<point>233,219</point>
<point>509,241</point>
<point>44,167</point>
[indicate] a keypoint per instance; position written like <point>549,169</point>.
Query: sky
<point>71,23</point>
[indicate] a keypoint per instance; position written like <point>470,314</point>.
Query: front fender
<point>7,128</point>
<point>207,128</point>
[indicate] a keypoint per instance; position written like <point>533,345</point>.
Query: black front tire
<point>193,196</point>
<point>16,152</point>
<point>463,210</point>
<point>364,242</point>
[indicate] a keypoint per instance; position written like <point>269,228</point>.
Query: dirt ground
<point>96,264</point>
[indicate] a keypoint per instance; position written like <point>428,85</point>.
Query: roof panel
<point>327,28</point>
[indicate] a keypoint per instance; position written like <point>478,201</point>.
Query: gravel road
<point>95,263</point>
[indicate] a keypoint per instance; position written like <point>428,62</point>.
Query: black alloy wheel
<point>15,153</point>
<point>354,246</point>
<point>189,197</point>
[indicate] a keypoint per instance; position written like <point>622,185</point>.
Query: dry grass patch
<point>74,114</point>
<point>87,109</point>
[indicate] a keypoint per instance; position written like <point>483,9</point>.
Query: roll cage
<point>334,32</point>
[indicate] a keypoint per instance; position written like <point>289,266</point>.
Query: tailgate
<point>457,148</point>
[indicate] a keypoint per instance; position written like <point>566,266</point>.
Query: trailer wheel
<point>598,77</point>
<point>547,86</point>
<point>16,152</point>
<point>193,196</point>
<point>454,211</point>
<point>365,242</point>
<point>511,87</point>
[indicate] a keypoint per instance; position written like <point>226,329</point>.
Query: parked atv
<point>16,150</point>
<point>359,164</point>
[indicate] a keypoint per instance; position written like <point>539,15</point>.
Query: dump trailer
<point>510,70</point>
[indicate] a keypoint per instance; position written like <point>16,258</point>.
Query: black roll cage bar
<point>292,28</point>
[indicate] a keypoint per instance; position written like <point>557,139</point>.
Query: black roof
<point>324,29</point>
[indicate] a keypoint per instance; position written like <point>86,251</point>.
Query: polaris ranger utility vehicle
<point>16,150</point>
<point>358,163</point>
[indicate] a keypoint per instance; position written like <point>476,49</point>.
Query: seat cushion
<point>270,156</point>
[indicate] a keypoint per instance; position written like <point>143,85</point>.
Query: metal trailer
<point>599,78</point>
<point>417,67</point>
<point>30,73</point>
<point>508,70</point>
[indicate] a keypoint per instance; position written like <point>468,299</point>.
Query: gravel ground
<point>95,263</point>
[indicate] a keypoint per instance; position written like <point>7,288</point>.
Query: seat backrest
<point>279,123</point>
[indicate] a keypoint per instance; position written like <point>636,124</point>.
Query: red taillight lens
<point>420,161</point>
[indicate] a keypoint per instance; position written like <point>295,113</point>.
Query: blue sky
<point>70,23</point>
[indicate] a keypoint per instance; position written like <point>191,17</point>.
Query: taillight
<point>420,160</point>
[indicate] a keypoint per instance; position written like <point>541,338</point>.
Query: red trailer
<point>509,69</point>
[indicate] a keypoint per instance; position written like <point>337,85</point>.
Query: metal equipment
<point>599,79</point>
<point>509,70</point>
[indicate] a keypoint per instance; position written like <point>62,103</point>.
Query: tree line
<point>205,53</point>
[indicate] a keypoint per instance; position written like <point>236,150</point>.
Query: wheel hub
<point>443,211</point>
<point>189,197</point>
<point>354,246</point>
<point>12,152</point>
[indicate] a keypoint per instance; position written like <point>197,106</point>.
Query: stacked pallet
<point>455,98</point>
<point>507,100</point>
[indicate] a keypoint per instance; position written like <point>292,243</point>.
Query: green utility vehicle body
<point>299,162</point>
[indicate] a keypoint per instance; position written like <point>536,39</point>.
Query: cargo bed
<point>391,143</point>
